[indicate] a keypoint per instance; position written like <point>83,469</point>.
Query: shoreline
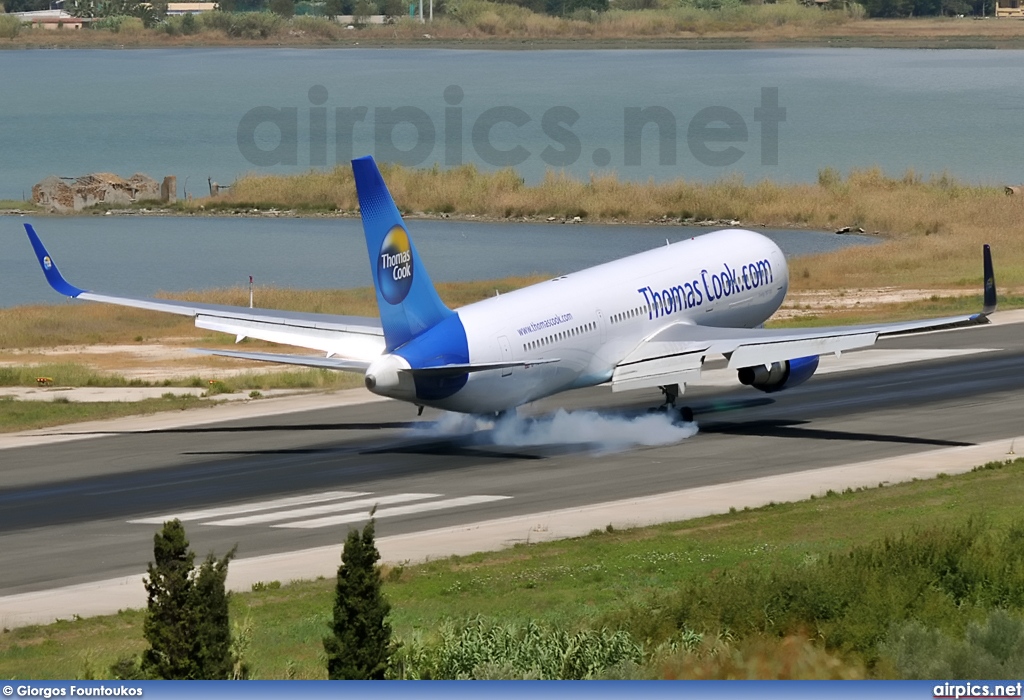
<point>968,33</point>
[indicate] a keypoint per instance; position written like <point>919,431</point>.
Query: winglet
<point>53,275</point>
<point>990,283</point>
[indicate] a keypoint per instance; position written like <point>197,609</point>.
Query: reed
<point>933,226</point>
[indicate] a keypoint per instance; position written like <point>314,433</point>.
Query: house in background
<point>52,19</point>
<point>1009,8</point>
<point>190,8</point>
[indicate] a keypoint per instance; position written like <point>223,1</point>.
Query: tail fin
<point>407,300</point>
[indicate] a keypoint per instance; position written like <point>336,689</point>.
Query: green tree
<point>394,9</point>
<point>359,646</point>
<point>284,8</point>
<point>170,625</point>
<point>187,623</point>
<point>362,11</point>
<point>214,657</point>
<point>25,5</point>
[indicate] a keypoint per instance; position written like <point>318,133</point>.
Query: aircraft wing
<point>674,354</point>
<point>352,337</point>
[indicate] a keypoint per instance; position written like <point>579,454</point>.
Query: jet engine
<point>779,375</point>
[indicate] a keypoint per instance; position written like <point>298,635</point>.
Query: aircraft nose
<point>387,376</point>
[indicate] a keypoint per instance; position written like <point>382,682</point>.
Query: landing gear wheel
<point>686,414</point>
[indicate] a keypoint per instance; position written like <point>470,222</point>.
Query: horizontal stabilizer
<point>301,360</point>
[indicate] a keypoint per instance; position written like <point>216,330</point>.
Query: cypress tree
<point>187,624</point>
<point>359,646</point>
<point>170,624</point>
<point>214,657</point>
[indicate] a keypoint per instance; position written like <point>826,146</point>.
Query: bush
<point>113,23</point>
<point>318,26</point>
<point>479,649</point>
<point>993,649</point>
<point>243,25</point>
<point>185,25</point>
<point>9,26</point>
<point>942,577</point>
<point>282,8</point>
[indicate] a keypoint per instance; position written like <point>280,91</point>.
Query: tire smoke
<point>603,432</point>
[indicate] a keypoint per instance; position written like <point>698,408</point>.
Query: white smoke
<point>603,432</point>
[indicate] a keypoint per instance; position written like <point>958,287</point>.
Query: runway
<point>85,510</point>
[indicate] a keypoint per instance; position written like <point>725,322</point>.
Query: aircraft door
<point>506,354</point>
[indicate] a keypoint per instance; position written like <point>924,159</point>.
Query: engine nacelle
<point>781,375</point>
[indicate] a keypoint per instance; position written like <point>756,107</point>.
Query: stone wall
<point>65,194</point>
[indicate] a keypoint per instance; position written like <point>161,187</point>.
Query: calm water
<point>182,112</point>
<point>140,256</point>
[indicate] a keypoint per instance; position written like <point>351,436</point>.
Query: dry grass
<point>89,323</point>
<point>934,226</point>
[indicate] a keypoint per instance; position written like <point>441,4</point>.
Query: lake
<point>780,113</point>
<point>139,256</point>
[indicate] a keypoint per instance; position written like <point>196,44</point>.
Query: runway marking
<point>388,512</point>
<point>336,508</point>
<point>359,503</point>
<point>250,507</point>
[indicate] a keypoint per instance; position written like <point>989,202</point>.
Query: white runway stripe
<point>398,510</point>
<point>250,507</point>
<point>361,504</point>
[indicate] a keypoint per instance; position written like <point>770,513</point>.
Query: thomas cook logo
<point>394,266</point>
<point>47,263</point>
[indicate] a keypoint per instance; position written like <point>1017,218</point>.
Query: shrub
<point>942,577</point>
<point>10,27</point>
<point>480,649</point>
<point>992,649</point>
<point>242,25</point>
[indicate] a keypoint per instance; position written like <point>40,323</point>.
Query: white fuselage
<point>591,320</point>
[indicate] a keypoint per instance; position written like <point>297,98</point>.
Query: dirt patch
<point>151,362</point>
<point>813,303</point>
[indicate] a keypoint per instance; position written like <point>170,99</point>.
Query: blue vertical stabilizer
<point>408,302</point>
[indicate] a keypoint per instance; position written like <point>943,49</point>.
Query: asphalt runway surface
<point>87,510</point>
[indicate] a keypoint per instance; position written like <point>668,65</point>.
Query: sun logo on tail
<point>47,263</point>
<point>394,266</point>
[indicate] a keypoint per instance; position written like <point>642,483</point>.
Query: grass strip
<point>609,579</point>
<point>28,415</point>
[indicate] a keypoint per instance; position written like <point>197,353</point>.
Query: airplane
<point>643,321</point>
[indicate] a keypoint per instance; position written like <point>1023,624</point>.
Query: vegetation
<point>992,648</point>
<point>359,646</point>
<point>929,223</point>
<point>26,327</point>
<point>186,623</point>
<point>676,23</point>
<point>628,594</point>
<point>28,415</point>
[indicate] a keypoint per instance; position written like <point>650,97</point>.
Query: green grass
<point>28,415</point>
<point>604,579</point>
<point>17,204</point>
<point>71,374</point>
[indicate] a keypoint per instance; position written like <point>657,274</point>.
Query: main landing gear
<point>682,414</point>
